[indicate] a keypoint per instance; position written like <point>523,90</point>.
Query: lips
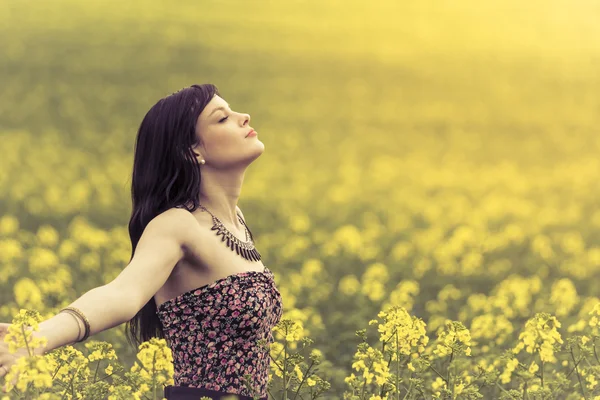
<point>251,131</point>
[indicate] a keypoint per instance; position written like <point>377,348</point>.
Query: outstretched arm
<point>107,306</point>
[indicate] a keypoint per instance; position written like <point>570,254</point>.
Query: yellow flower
<point>316,353</point>
<point>33,370</point>
<point>100,351</point>
<point>533,368</point>
<point>27,294</point>
<point>540,335</point>
<point>585,339</point>
<point>454,338</point>
<point>298,372</point>
<point>592,382</point>
<point>42,261</point>
<point>511,365</point>
<point>349,285</point>
<point>156,362</point>
<point>402,332</point>
<point>371,363</point>
<point>374,279</point>
<point>438,383</point>
<point>564,296</point>
<point>8,224</point>
<point>20,332</point>
<point>47,236</point>
<point>292,330</point>
<point>350,379</point>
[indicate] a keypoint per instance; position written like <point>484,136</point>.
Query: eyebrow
<point>219,108</point>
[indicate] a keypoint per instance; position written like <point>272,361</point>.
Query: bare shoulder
<point>174,218</point>
<point>186,227</point>
<point>178,222</point>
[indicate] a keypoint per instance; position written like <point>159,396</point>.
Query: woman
<point>194,277</point>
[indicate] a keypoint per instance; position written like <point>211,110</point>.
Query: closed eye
<point>223,119</point>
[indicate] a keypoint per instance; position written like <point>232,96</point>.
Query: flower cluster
<point>455,339</point>
<point>401,332</point>
<point>540,336</point>
<point>155,365</point>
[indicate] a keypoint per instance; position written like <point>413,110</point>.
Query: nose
<point>246,117</point>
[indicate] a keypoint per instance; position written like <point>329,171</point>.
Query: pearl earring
<point>202,161</point>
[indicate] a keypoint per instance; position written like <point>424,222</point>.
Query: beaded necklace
<point>245,249</point>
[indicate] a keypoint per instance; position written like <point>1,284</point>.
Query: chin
<point>259,146</point>
<point>257,151</point>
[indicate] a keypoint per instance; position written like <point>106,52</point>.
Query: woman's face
<point>222,136</point>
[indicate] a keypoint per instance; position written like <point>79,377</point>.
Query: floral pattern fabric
<point>213,332</point>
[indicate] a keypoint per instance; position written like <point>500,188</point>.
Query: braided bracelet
<point>77,318</point>
<point>78,324</point>
<point>86,322</point>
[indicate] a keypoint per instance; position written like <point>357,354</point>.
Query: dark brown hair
<point>165,174</point>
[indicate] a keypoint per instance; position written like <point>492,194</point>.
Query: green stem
<point>391,336</point>
<point>25,338</point>
<point>440,375</point>
<point>449,367</point>
<point>381,392</point>
<point>70,384</point>
<point>397,369</point>
<point>104,377</point>
<point>285,366</point>
<point>501,388</point>
<point>54,375</point>
<point>306,374</point>
<point>362,393</point>
<point>576,364</point>
<point>154,375</point>
<point>275,362</point>
<point>578,376</point>
<point>96,373</point>
<point>408,391</point>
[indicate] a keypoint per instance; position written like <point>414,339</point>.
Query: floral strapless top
<point>213,332</point>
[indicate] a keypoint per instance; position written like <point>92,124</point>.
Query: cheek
<point>227,143</point>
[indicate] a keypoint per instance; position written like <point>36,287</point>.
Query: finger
<point>14,381</point>
<point>3,372</point>
<point>4,387</point>
<point>3,329</point>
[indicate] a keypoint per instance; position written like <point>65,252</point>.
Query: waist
<point>191,393</point>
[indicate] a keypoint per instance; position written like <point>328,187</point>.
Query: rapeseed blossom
<point>540,336</point>
<point>401,332</point>
<point>454,209</point>
<point>155,361</point>
<point>454,338</point>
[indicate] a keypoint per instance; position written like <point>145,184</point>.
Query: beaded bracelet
<point>86,322</point>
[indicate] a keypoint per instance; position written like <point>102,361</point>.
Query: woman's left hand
<point>8,359</point>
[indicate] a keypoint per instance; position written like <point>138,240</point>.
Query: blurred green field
<point>447,147</point>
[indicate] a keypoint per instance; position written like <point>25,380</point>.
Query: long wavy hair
<point>165,174</point>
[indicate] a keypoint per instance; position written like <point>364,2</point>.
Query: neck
<point>220,192</point>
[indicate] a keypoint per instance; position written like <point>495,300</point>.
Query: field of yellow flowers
<point>427,199</point>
